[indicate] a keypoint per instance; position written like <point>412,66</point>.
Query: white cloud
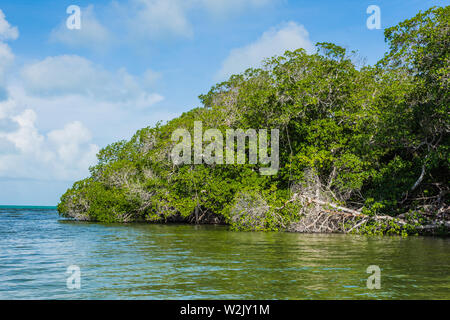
<point>69,87</point>
<point>75,75</point>
<point>138,20</point>
<point>26,139</point>
<point>61,154</point>
<point>150,19</point>
<point>6,106</point>
<point>288,36</point>
<point>150,77</point>
<point>69,143</point>
<point>157,18</point>
<point>6,31</point>
<point>6,60</point>
<point>40,135</point>
<point>91,35</point>
<point>108,120</point>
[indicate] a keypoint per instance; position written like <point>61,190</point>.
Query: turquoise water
<point>28,207</point>
<point>150,261</point>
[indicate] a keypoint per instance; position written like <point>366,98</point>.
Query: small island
<point>362,149</point>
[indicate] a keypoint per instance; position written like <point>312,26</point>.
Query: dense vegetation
<point>358,145</point>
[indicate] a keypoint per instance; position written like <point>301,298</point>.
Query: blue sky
<point>66,93</point>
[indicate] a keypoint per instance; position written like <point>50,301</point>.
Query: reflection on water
<point>209,262</point>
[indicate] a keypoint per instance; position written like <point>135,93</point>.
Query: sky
<point>66,93</point>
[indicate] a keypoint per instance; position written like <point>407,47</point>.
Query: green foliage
<point>367,132</point>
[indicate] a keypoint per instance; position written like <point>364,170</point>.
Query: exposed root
<point>318,216</point>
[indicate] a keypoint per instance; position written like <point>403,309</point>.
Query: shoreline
<point>441,230</point>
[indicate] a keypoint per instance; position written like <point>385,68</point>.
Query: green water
<point>142,261</point>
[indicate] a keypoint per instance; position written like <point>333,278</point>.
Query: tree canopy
<point>373,139</point>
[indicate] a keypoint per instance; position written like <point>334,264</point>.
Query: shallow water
<point>150,261</point>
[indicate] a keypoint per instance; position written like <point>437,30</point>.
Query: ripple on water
<point>151,261</point>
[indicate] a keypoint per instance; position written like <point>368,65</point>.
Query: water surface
<point>151,261</point>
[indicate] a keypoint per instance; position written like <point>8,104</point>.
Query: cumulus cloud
<point>150,77</point>
<point>288,36</point>
<point>72,74</point>
<point>6,106</point>
<point>7,32</point>
<point>67,88</point>
<point>92,34</point>
<point>60,154</point>
<point>26,138</point>
<point>163,18</point>
<point>157,18</point>
<point>6,60</point>
<point>137,20</point>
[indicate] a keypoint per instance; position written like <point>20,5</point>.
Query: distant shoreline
<point>26,207</point>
